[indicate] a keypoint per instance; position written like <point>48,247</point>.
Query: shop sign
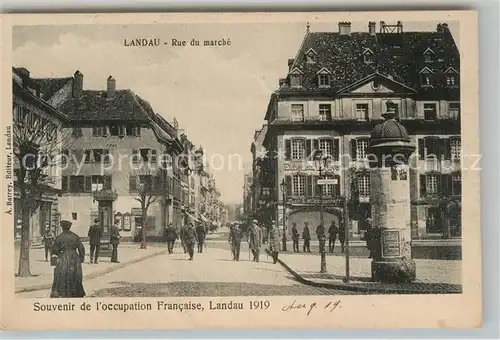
<point>329,201</point>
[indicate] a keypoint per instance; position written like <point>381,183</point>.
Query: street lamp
<point>321,161</point>
<point>283,193</point>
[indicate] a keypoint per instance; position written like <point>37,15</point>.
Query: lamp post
<point>283,193</point>
<point>321,163</point>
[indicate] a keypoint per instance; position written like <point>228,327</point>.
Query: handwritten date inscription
<point>329,307</point>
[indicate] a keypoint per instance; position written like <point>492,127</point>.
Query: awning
<point>203,218</point>
<point>191,216</point>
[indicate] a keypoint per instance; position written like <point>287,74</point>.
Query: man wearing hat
<point>190,239</point>
<point>255,240</point>
<point>94,234</point>
<point>114,241</point>
<point>235,236</point>
<point>274,242</point>
<point>48,241</point>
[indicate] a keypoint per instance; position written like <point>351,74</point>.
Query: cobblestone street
<point>212,273</point>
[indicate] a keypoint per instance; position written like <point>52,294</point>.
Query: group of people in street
<point>333,232</point>
<point>189,237</point>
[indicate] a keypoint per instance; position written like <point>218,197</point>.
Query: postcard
<point>240,170</point>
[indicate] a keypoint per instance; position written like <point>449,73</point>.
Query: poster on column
<point>238,101</point>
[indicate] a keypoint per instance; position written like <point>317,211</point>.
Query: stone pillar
<point>390,197</point>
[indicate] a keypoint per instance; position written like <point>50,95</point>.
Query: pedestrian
<point>68,253</point>
<point>94,234</point>
<point>200,234</point>
<point>182,234</point>
<point>333,230</point>
<point>255,240</point>
<point>274,242</point>
<point>48,241</point>
<point>235,237</point>
<point>295,238</point>
<point>370,238</point>
<point>190,239</point>
<point>306,236</point>
<point>114,240</point>
<point>342,237</point>
<point>171,236</point>
<point>321,235</point>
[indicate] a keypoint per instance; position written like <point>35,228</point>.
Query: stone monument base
<point>395,271</point>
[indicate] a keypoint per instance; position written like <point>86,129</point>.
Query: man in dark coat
<point>306,236</point>
<point>342,236</point>
<point>114,241</point>
<point>274,242</point>
<point>190,239</point>
<point>200,234</point>
<point>332,236</point>
<point>171,236</point>
<point>255,240</point>
<point>182,236</point>
<point>94,234</point>
<point>235,236</point>
<point>321,234</point>
<point>48,241</point>
<point>295,238</point>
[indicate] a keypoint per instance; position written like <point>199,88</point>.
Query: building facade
<point>337,89</point>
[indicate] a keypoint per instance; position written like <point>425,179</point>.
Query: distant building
<point>337,88</point>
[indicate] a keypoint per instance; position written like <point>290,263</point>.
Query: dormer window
<point>324,77</point>
<point>311,56</point>
<point>428,55</point>
<point>296,78</point>
<point>426,77</point>
<point>368,56</point>
<point>451,77</point>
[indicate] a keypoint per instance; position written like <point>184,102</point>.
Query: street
<point>212,273</point>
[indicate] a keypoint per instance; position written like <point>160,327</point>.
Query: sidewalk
<point>433,276</point>
<point>127,255</point>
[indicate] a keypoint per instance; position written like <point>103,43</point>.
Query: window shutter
<point>315,145</point>
<point>316,186</point>
<point>421,148</point>
<point>88,184</point>
<point>308,147</point>
<point>288,148</point>
<point>336,187</point>
<point>423,191</point>
<point>135,156</point>
<point>353,149</point>
<point>288,180</point>
<point>336,149</point>
<point>446,148</point>
<point>64,183</point>
<point>446,185</point>
<point>132,183</point>
<point>309,186</point>
<point>107,182</point>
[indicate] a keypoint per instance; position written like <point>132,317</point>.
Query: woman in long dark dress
<point>68,275</point>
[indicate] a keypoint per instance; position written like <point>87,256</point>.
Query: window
<point>368,58</point>
<point>153,156</point>
<point>77,184</point>
<point>362,112</point>
<point>135,156</point>
<point>456,184</point>
<point>144,155</point>
<point>19,114</point>
<point>428,55</point>
<point>296,80</point>
<point>97,183</point>
<point>454,110</point>
<point>392,107</point>
<point>99,131</point>
<point>105,156</point>
<point>328,189</point>
<point>364,184</point>
<point>297,111</point>
<point>74,216</point>
<point>433,221</point>
<point>323,80</point>
<point>361,147</point>
<point>88,156</point>
<point>98,155</point>
<point>298,149</point>
<point>311,57</point>
<point>455,149</point>
<point>432,184</point>
<point>64,156</point>
<point>325,111</point>
<point>450,80</point>
<point>326,145</point>
<point>426,80</point>
<point>298,185</point>
<point>430,112</point>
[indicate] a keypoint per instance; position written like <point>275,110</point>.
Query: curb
<point>360,289</point>
<point>93,275</point>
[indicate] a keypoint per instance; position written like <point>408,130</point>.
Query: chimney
<point>345,28</point>
<point>372,27</point>
<point>77,84</point>
<point>290,63</point>
<point>111,88</point>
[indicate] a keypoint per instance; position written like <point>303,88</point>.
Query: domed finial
<point>389,115</point>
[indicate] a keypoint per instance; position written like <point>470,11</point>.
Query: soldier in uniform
<point>321,234</point>
<point>94,234</point>
<point>235,236</point>
<point>190,239</point>
<point>255,240</point>
<point>306,236</point>
<point>114,240</point>
<point>200,234</point>
<point>48,241</point>
<point>342,236</point>
<point>295,238</point>
<point>274,242</point>
<point>171,236</point>
<point>332,236</point>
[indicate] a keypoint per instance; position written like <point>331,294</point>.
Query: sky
<point>219,95</point>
